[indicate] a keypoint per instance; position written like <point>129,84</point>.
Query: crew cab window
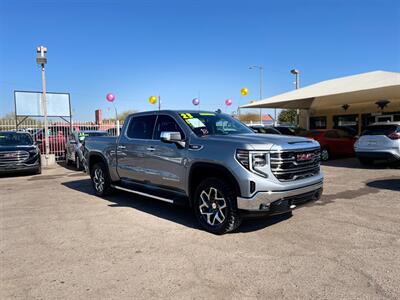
<point>166,123</point>
<point>141,127</point>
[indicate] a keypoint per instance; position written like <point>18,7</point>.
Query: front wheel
<point>215,206</point>
<point>101,179</point>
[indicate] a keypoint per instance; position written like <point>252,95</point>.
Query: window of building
<point>141,127</point>
<point>317,122</point>
<point>348,123</point>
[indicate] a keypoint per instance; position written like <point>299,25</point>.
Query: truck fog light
<point>264,206</point>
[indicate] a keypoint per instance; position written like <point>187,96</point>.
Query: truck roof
<point>190,111</point>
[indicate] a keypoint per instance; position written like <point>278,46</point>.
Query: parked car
<point>209,160</point>
<point>379,141</point>
<point>290,130</point>
<point>18,152</point>
<point>113,131</point>
<point>74,147</point>
<point>56,140</point>
<point>264,129</point>
<point>334,142</point>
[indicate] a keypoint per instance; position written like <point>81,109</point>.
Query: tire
<point>101,181</point>
<point>325,154</point>
<point>38,170</point>
<point>78,163</point>
<point>215,206</point>
<point>67,161</point>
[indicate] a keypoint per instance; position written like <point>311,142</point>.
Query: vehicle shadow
<point>354,163</point>
<point>64,165</point>
<point>392,184</point>
<point>175,213</point>
<point>17,174</point>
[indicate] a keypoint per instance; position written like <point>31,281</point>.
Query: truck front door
<point>166,162</point>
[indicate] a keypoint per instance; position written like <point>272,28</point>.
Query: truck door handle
<point>121,147</point>
<point>150,149</point>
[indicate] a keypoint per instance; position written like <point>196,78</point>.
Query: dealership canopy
<point>358,88</point>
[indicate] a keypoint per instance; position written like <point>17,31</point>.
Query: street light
<point>42,60</point>
<point>296,73</point>
<point>261,69</point>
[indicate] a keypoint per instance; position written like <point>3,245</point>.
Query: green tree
<point>288,116</point>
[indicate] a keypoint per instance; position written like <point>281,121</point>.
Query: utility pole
<point>42,60</point>
<point>261,70</point>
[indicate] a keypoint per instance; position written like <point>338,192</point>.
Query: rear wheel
<point>101,179</point>
<point>67,160</point>
<point>215,206</point>
<point>325,155</point>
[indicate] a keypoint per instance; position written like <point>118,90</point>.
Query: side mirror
<point>172,137</point>
<point>38,142</point>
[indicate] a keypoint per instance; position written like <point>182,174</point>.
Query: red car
<point>334,142</point>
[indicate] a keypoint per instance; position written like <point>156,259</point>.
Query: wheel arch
<point>202,170</point>
<point>95,158</point>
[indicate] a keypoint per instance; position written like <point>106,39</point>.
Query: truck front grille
<point>12,157</point>
<point>295,164</point>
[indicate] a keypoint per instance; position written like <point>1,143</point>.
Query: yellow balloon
<point>153,99</point>
<point>244,91</point>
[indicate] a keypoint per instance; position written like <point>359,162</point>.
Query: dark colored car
<point>18,152</point>
<point>334,142</point>
<point>264,129</point>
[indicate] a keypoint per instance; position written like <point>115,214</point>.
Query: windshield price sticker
<point>195,123</point>
<point>82,134</point>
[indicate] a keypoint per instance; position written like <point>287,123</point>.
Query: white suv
<point>379,141</point>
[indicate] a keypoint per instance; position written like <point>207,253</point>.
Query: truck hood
<point>265,141</point>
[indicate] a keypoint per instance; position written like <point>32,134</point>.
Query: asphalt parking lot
<point>59,241</point>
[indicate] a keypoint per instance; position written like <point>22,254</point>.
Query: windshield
<point>206,123</point>
<point>15,139</point>
<point>82,135</point>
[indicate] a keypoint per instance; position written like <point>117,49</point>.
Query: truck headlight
<point>253,161</point>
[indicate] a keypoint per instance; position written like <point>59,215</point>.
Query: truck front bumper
<point>276,201</point>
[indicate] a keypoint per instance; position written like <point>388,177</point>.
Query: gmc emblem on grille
<point>10,155</point>
<point>304,156</point>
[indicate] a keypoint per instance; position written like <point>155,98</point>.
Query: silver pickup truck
<point>211,161</point>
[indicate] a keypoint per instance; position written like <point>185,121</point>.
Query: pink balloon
<point>110,97</point>
<point>228,102</point>
<point>196,101</point>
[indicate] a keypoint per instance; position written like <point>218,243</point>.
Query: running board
<point>142,194</point>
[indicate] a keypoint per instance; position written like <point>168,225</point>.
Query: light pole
<point>261,69</point>
<point>296,73</point>
<point>42,60</point>
<point>297,76</point>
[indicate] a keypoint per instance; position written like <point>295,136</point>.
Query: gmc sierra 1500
<point>211,161</point>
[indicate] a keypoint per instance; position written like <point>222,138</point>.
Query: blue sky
<point>179,48</point>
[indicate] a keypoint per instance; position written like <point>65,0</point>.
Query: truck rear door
<point>133,148</point>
